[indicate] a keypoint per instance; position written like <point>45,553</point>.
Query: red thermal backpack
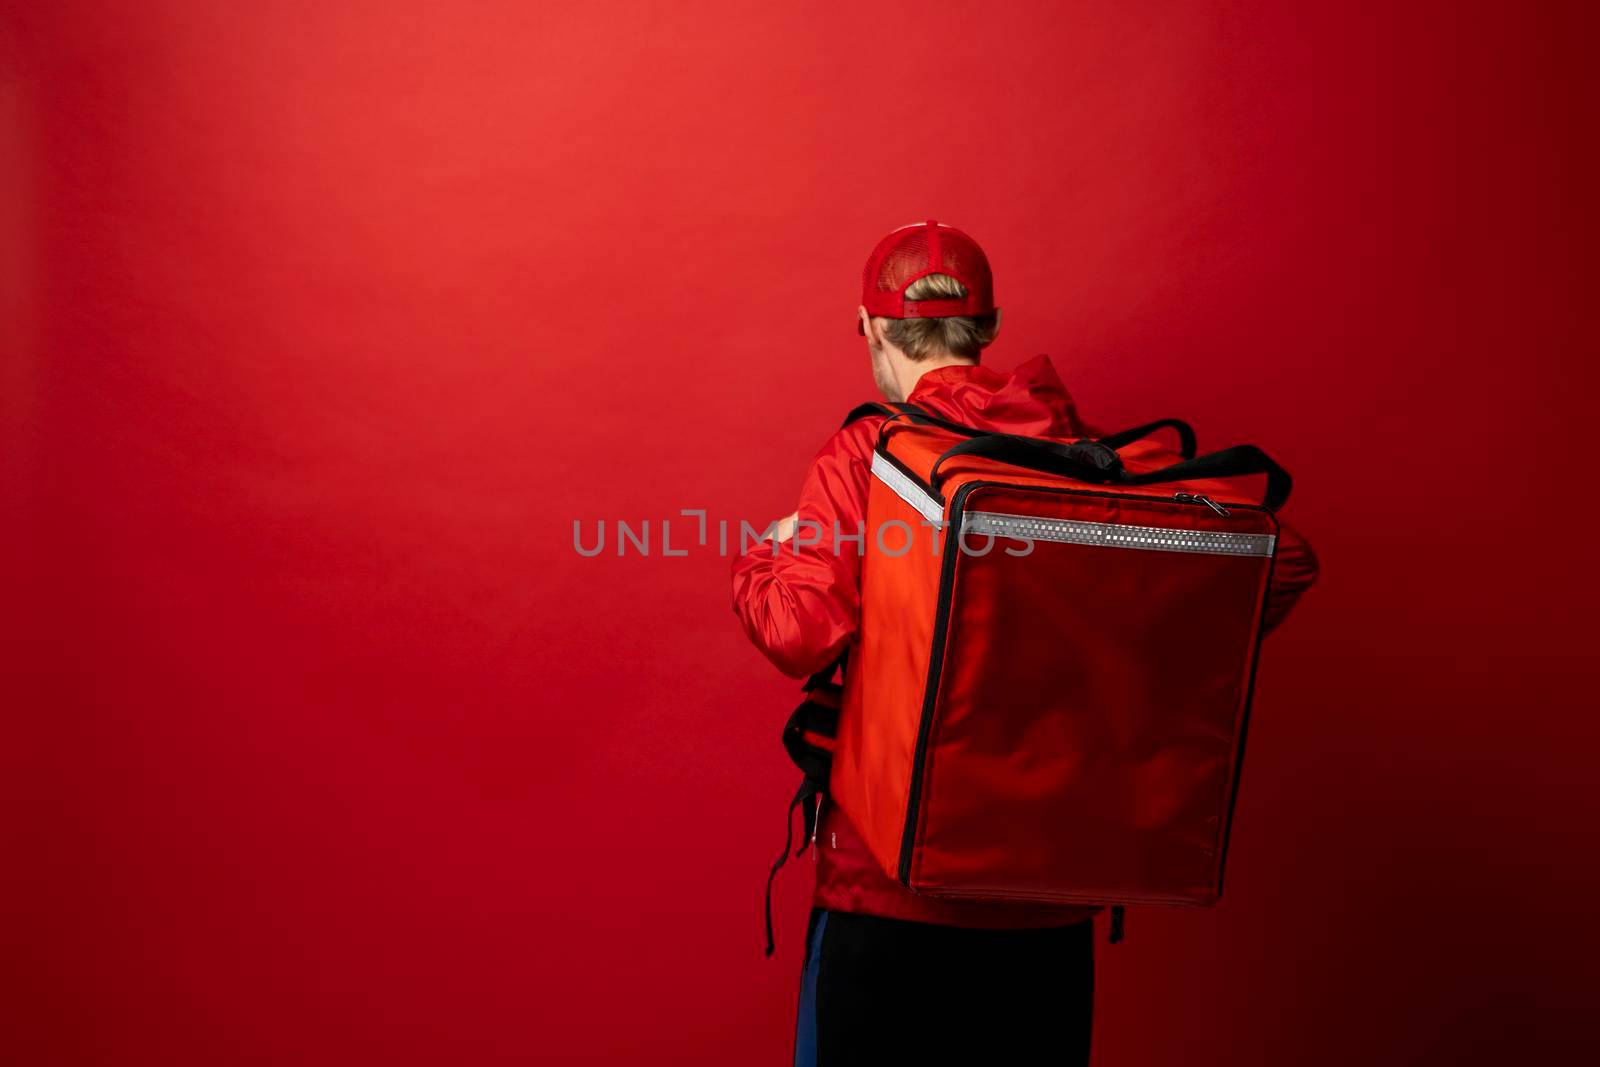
<point>1049,692</point>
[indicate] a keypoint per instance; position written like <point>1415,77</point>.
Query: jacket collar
<point>1029,400</point>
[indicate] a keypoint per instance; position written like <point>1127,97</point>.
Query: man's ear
<point>862,320</point>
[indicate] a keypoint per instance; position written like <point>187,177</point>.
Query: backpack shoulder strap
<point>879,407</point>
<point>910,413</point>
<point>808,737</point>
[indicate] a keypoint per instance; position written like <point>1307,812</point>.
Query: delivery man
<point>891,976</point>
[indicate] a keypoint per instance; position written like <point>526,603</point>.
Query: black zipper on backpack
<point>941,630</point>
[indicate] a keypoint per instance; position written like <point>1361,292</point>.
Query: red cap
<point>918,249</point>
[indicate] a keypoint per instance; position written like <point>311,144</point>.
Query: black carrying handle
<point>1232,462</point>
<point>1187,441</point>
<point>1086,461</point>
<point>1097,463</point>
<point>1188,444</point>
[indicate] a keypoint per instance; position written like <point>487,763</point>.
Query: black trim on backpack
<point>941,627</point>
<point>1244,727</point>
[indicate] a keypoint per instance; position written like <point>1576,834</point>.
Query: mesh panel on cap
<point>912,251</point>
<point>904,261</point>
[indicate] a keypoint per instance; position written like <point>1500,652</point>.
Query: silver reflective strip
<point>906,489</point>
<point>1117,535</point>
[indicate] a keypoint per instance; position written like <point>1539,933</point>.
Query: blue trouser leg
<point>805,1027</point>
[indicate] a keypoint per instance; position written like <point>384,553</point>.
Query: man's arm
<point>802,605</point>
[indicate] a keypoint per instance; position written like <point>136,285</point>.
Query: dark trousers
<point>887,991</point>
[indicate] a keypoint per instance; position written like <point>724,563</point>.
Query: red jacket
<point>801,607</point>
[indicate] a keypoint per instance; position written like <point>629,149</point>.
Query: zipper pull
<point>1197,498</point>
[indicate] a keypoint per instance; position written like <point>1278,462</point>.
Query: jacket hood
<point>1028,400</point>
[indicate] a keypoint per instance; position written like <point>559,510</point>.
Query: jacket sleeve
<point>1294,570</point>
<point>800,600</point>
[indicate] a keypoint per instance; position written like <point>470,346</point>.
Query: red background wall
<point>324,322</point>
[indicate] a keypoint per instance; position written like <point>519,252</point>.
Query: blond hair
<point>963,335</point>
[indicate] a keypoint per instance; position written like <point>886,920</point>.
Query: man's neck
<point>909,373</point>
